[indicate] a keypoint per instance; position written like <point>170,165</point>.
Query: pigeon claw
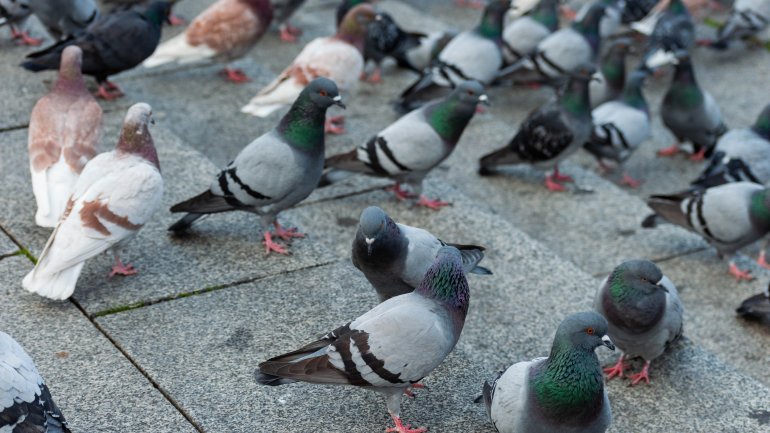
<point>617,369</point>
<point>334,125</point>
<point>643,375</point>
<point>287,233</point>
<point>24,38</point>
<point>699,155</point>
<point>553,185</point>
<point>176,20</point>
<point>401,428</point>
<point>630,181</point>
<point>670,150</point>
<point>289,33</point>
<point>739,274</point>
<point>236,76</point>
<point>272,246</point>
<point>432,204</point>
<point>108,91</point>
<point>120,269</point>
<point>375,77</point>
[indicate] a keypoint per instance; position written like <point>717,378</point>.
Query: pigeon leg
<point>109,90</point>
<point>401,194</point>
<point>761,259</point>
<point>272,246</point>
<point>120,269</point>
<point>289,33</point>
<point>400,428</point>
<point>25,38</point>
<point>471,4</point>
<point>699,155</point>
<point>432,204</point>
<point>617,369</point>
<point>739,274</point>
<point>669,151</point>
<point>376,76</point>
<point>334,124</point>
<point>630,181</point>
<point>286,233</point>
<point>643,375</point>
<point>176,20</point>
<point>558,177</point>
<point>236,76</point>
<point>552,185</point>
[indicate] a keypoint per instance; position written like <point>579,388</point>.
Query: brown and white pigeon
<point>117,193</point>
<point>338,57</point>
<point>225,31</point>
<point>64,129</point>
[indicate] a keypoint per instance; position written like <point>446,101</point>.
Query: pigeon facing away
<point>756,307</point>
<point>728,217</point>
<point>522,35</point>
<point>286,9</point>
<point>644,313</point>
<point>673,31</point>
<point>385,38</point>
<point>550,133</point>
<point>748,18</point>
<point>274,172</point>
<point>395,257</point>
<point>117,193</point>
<point>392,346</point>
<point>413,145</point>
<point>610,79</point>
<point>14,13</point>
<point>26,404</point>
<point>64,129</point>
<point>65,18</point>
<point>113,43</point>
<point>690,113</point>
<point>561,393</point>
<point>338,57</point>
<point>225,31</point>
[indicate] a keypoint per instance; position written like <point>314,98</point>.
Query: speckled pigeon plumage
<point>65,18</point>
<point>609,80</point>
<point>673,31</point>
<point>395,257</point>
<point>644,313</point>
<point>522,35</point>
<point>756,307</point>
<point>413,145</point>
<point>748,18</point>
<point>117,193</point>
<point>390,347</point>
<point>26,405</point>
<point>563,393</point>
<point>274,172</point>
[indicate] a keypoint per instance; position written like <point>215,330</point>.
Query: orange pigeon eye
<point>590,331</point>
<point>322,93</point>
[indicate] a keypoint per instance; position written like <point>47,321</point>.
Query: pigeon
<point>471,55</point>
<point>286,9</point>
<point>117,193</point>
<point>620,126</point>
<point>113,43</point>
<point>561,393</point>
<point>225,31</point>
<point>728,217</point>
<point>385,38</point>
<point>26,404</point>
<point>756,307</point>
<point>644,313</point>
<point>392,346</point>
<point>748,18</point>
<point>274,172</point>
<point>64,129</point>
<point>550,133</point>
<point>610,79</point>
<point>610,21</point>
<point>395,257</point>
<point>338,57</point>
<point>674,31</point>
<point>14,13</point>
<point>409,148</point>
<point>740,155</point>
<point>419,57</point>
<point>521,36</point>
<point>690,113</point>
<point>65,18</point>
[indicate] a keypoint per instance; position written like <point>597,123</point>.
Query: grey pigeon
<point>413,145</point>
<point>26,404</point>
<point>673,31</point>
<point>690,112</point>
<point>644,313</point>
<point>609,80</point>
<point>610,21</point>
<point>563,393</point>
<point>550,133</point>
<point>472,55</point>
<point>274,172</point>
<point>285,9</point>
<point>522,35</point>
<point>740,155</point>
<point>392,346</point>
<point>728,217</point>
<point>111,44</point>
<point>748,18</point>
<point>384,38</point>
<point>14,14</point>
<point>620,126</point>
<point>65,18</point>
<point>756,307</point>
<point>419,57</point>
<point>395,257</point>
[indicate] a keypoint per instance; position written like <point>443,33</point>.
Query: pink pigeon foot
<point>334,125</point>
<point>670,150</point>
<point>480,109</point>
<point>567,12</point>
<point>109,91</point>
<point>375,77</point>
<point>471,4</point>
<point>289,33</point>
<point>120,269</point>
<point>400,428</point>
<point>739,274</point>
<point>643,375</point>
<point>552,185</point>
<point>432,204</point>
<point>401,194</point>
<point>699,155</point>
<point>558,177</point>
<point>761,260</point>
<point>272,246</point>
<point>630,181</point>
<point>24,38</point>
<point>236,76</point>
<point>176,20</point>
<point>617,369</point>
<point>287,233</point>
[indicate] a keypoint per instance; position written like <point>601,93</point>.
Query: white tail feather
<point>178,50</point>
<point>58,286</point>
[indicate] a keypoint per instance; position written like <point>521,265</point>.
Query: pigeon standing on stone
<point>64,129</point>
<point>748,18</point>
<point>756,307</point>
<point>561,393</point>
<point>690,113</point>
<point>113,43</point>
<point>285,9</point>
<point>14,13</point>
<point>339,58</point>
<point>274,172</point>
<point>620,126</point>
<point>472,55</point>
<point>224,32</point>
<point>392,346</point>
<point>644,313</point>
<point>728,217</point>
<point>26,404</point>
<point>610,79</point>
<point>674,31</point>
<point>385,38</point>
<point>522,35</point>
<point>65,18</point>
<point>117,193</point>
<point>395,257</point>
<point>413,145</point>
<point>550,133</point>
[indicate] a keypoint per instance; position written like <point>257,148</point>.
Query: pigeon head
<point>589,23</point>
<point>353,27</point>
<point>158,12</point>
<point>70,78</point>
<point>677,7</point>
<point>762,125</point>
<point>546,14</point>
<point>491,25</point>
<point>683,70</point>
<point>582,332</point>
<point>445,281</point>
<point>135,136</point>
<point>303,126</point>
<point>450,116</point>
<point>375,227</point>
<point>323,93</point>
<point>636,276</point>
<point>472,93</point>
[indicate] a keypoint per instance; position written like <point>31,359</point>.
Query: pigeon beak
<point>378,17</point>
<point>662,284</point>
<point>484,99</point>
<point>369,242</point>
<point>338,101</point>
<point>607,342</point>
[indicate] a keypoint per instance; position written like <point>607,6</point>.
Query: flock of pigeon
<point>420,280</point>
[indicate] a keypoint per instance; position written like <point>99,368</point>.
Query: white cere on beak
<point>369,241</point>
<point>337,98</point>
<point>483,98</point>
<point>606,339</point>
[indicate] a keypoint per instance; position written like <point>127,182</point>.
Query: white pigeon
<point>64,129</point>
<point>117,193</point>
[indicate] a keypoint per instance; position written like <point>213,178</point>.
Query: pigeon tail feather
<point>58,286</point>
<point>205,202</point>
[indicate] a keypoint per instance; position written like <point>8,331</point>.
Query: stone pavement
<point>174,347</point>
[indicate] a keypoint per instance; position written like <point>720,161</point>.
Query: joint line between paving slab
<point>22,249</point>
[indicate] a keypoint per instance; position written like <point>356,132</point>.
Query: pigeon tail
<point>499,157</point>
<point>203,203</point>
<point>347,161</point>
<point>270,380</point>
<point>669,208</point>
<point>487,397</point>
<point>471,256</point>
<point>58,286</point>
<point>185,222</point>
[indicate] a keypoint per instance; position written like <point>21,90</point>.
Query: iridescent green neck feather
<point>684,91</point>
<point>760,208</point>
<point>633,96</point>
<point>445,281</point>
<point>491,26</point>
<point>303,126</point>
<point>762,125</point>
<point>575,99</point>
<point>449,118</point>
<point>545,14</point>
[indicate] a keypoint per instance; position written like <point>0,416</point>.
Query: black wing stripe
<point>243,186</point>
<point>389,153</point>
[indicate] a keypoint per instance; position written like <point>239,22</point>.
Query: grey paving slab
<point>94,385</point>
<point>221,250</point>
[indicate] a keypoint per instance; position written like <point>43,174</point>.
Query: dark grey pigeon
<point>384,38</point>
<point>392,346</point>
<point>756,307</point>
<point>26,404</point>
<point>65,18</point>
<point>644,313</point>
<point>274,172</point>
<point>673,31</point>
<point>395,257</point>
<point>550,133</point>
<point>563,393</point>
<point>14,14</point>
<point>113,43</point>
